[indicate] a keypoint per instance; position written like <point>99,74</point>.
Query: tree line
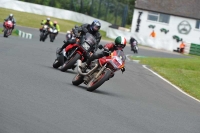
<point>117,12</point>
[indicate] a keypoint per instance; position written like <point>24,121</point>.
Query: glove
<point>106,52</point>
<point>123,69</point>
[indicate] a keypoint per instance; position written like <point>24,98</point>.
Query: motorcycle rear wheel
<point>77,80</point>
<point>70,63</point>
<point>95,83</point>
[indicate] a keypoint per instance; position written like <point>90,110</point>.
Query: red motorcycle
<point>101,70</point>
<point>8,28</point>
<point>68,57</point>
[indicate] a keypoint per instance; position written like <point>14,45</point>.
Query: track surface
<point>35,98</point>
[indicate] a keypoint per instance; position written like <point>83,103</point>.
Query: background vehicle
<point>134,47</point>
<point>101,70</point>
<point>44,33</point>
<point>8,28</point>
<point>52,34</point>
<point>73,52</point>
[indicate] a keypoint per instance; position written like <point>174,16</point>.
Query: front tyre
<point>77,80</point>
<point>95,83</point>
<point>5,33</point>
<point>70,63</point>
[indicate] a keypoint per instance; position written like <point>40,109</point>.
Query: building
<point>171,21</point>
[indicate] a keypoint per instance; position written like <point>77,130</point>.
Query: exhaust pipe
<point>85,74</point>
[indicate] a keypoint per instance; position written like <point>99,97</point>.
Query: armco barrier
<point>24,34</point>
<point>195,49</point>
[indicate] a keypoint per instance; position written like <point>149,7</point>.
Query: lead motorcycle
<point>52,33</point>
<point>101,70</point>
<point>8,28</point>
<point>44,33</point>
<point>69,56</point>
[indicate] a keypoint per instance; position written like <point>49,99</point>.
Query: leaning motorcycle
<point>102,69</point>
<point>8,28</point>
<point>134,47</point>
<point>79,50</point>
<point>52,33</point>
<point>44,33</point>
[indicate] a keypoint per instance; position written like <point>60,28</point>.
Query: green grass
<point>183,72</point>
<point>34,20</point>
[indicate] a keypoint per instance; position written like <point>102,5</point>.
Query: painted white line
<point>171,83</point>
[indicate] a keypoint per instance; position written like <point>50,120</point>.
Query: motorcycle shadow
<point>102,92</point>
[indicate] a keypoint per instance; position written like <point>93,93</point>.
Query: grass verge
<point>34,20</point>
<point>183,72</point>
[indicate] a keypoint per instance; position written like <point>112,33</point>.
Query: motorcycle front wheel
<point>5,33</point>
<point>95,83</point>
<point>70,63</point>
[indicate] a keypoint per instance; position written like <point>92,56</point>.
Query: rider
<point>120,43</point>
<point>132,39</point>
<point>46,22</point>
<point>91,28</point>
<point>55,24</point>
<point>11,18</point>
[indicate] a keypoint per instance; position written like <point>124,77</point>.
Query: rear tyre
<point>95,83</point>
<point>56,64</point>
<point>77,80</point>
<point>70,63</point>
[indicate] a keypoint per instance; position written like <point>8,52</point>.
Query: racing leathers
<point>79,31</point>
<point>108,48</point>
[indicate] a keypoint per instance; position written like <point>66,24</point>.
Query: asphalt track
<point>35,98</point>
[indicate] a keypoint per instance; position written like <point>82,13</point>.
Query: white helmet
<point>48,19</point>
<point>11,15</point>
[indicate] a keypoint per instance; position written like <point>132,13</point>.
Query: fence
<point>195,49</point>
<point>107,10</point>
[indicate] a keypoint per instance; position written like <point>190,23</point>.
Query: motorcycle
<point>8,28</point>
<point>52,35</point>
<point>44,33</point>
<point>134,47</point>
<point>102,69</point>
<point>79,50</point>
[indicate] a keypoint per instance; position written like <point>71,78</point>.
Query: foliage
<point>113,11</point>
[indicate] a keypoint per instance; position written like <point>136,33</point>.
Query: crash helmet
<point>11,16</point>
<point>48,19</point>
<point>95,26</point>
<point>120,42</point>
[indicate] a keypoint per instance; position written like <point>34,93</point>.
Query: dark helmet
<point>95,26</point>
<point>11,16</point>
<point>120,42</point>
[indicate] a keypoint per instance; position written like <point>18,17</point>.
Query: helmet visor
<point>95,28</point>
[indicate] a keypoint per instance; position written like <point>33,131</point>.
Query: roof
<point>183,8</point>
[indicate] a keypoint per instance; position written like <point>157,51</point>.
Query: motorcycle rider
<point>11,18</point>
<point>91,28</point>
<point>46,22</point>
<point>132,39</point>
<point>57,27</point>
<point>120,43</point>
